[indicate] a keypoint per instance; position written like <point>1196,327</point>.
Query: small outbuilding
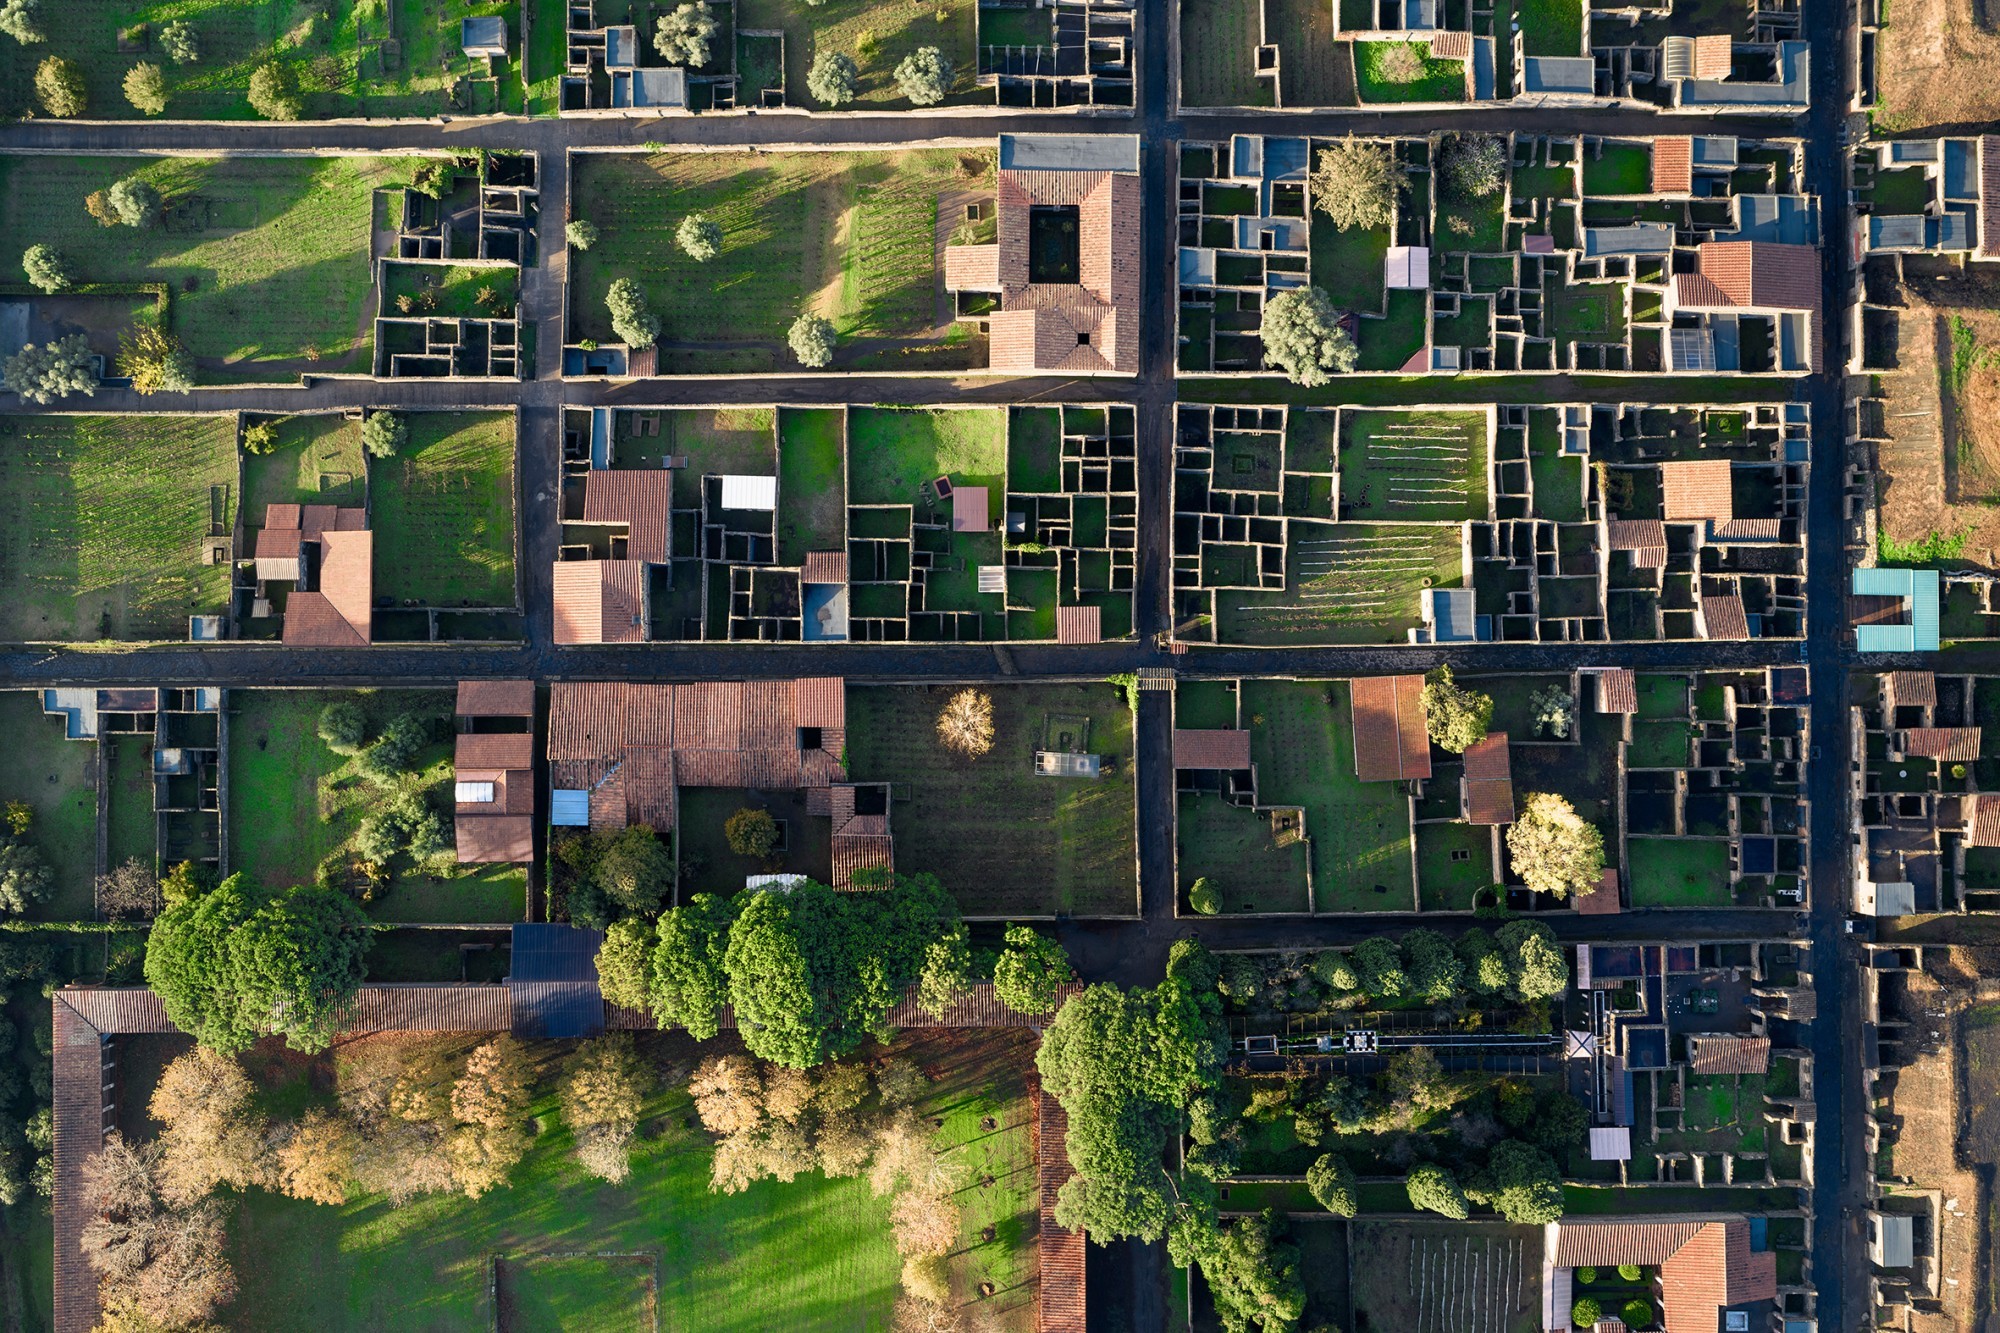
<point>484,37</point>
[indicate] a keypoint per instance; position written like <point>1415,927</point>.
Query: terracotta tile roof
<point>1073,327</point>
<point>600,601</point>
<point>1728,1053</point>
<point>1723,618</point>
<point>824,567</point>
<point>1489,781</point>
<point>1694,490</point>
<point>1212,748</point>
<point>821,702</point>
<point>1602,900</point>
<point>1617,690</point>
<point>1716,1268</point>
<point>1079,624</point>
<point>513,792</point>
<point>854,852</point>
<point>476,750</point>
<point>1538,244</point>
<point>1673,164</point>
<point>81,1118</point>
<point>1746,530</point>
<point>1451,45</point>
<point>496,698</point>
<point>1989,195</point>
<point>1712,56</point>
<point>1912,689</point>
<point>1645,537</point>
<point>1948,745</point>
<point>1982,821</point>
<point>1060,1303</point>
<point>1391,742</point>
<point>969,509</point>
<point>1765,275</point>
<point>494,839</point>
<point>972,268</point>
<point>1607,1244</point>
<point>338,610</point>
<point>639,499</point>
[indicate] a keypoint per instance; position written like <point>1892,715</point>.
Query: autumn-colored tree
<point>490,1103</point>
<point>315,1161</point>
<point>155,1260</point>
<point>213,1134</point>
<point>924,1222</point>
<point>728,1092</point>
<point>602,1091</point>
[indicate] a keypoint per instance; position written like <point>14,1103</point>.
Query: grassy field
<point>58,778</point>
<point>1314,69</point>
<point>1620,168</point>
<point>1233,848</point>
<point>293,802</point>
<point>102,520</point>
<point>741,440</point>
<point>1347,583</point>
<point>1679,872</point>
<point>1002,839</point>
<point>443,511</point>
<point>811,1256</point>
<point>893,451</point>
<point>1476,1277</point>
<point>132,834</point>
<point>333,49</point>
<point>1414,466</point>
<point>1552,27</point>
<point>267,257</point>
<point>702,845</point>
<point>1454,861</point>
<point>812,482</point>
<point>1587,312</point>
<point>1218,53</point>
<point>878,36</point>
<point>449,291</point>
<point>1558,477</point>
<point>1440,81</point>
<point>851,236</point>
<point>318,461</point>
<point>1303,746</point>
<point>1347,265</point>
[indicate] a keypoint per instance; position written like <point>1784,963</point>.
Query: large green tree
<point>1521,1183</point>
<point>689,984</point>
<point>187,965</point>
<point>298,962</point>
<point>1456,717</point>
<point>1252,1271</point>
<point>1436,1190</point>
<point>1536,967</point>
<point>1030,971</point>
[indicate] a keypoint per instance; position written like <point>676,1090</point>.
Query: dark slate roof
<point>553,981</point>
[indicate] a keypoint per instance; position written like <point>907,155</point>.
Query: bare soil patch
<point>1929,60</point>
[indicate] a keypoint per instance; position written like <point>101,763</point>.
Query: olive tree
<point>924,76</point>
<point>699,238</point>
<point>60,86</point>
<point>811,338</point>
<point>1355,182</point>
<point>21,20</point>
<point>146,88</point>
<point>134,202</point>
<point>44,373</point>
<point>682,36</point>
<point>1302,337</point>
<point>46,268</point>
<point>181,43</point>
<point>631,319</point>
<point>832,78</point>
<point>1554,849</point>
<point>1475,165</point>
<point>384,434</point>
<point>580,233</point>
<point>1456,717</point>
<point>273,95</point>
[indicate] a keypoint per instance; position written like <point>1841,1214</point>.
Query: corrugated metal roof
<point>569,809</point>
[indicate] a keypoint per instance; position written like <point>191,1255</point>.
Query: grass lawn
<point>708,864</point>
<point>318,460</point>
<point>887,32</point>
<point>131,834</point>
<point>1347,265</point>
<point>1620,168</point>
<point>58,778</point>
<point>322,44</point>
<point>1592,312</point>
<point>1425,1273</point>
<point>893,451</point>
<point>1679,872</point>
<point>276,250</point>
<point>740,440</point>
<point>1315,69</point>
<point>1303,746</point>
<point>1002,839</point>
<point>1558,477</point>
<point>1034,450</point>
<point>1347,583</point>
<point>1205,705</point>
<point>1439,81</point>
<point>101,524</point>
<point>293,802</point>
<point>1663,697</point>
<point>1426,467</point>
<point>810,1255</point>
<point>449,291</point>
<point>1454,861</point>
<point>851,236</point>
<point>1232,847</point>
<point>1390,342</point>
<point>1894,192</point>
<point>812,482</point>
<point>1474,226</point>
<point>1218,55</point>
<point>443,511</point>
<point>1659,745</point>
<point>1552,27</point>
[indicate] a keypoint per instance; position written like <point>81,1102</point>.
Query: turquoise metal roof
<point>1918,588</point>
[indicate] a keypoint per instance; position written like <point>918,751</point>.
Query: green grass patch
<point>1552,27</point>
<point>706,860</point>
<point>443,511</point>
<point>1390,342</point>
<point>1586,312</point>
<point>1303,745</point>
<point>1558,477</point>
<point>292,802</point>
<point>267,257</point>
<point>1034,450</point>
<point>1201,705</point>
<point>878,36</point>
<point>57,778</point>
<point>1346,583</point>
<point>1679,872</point>
<point>1930,550</point>
<point>851,236</point>
<point>1663,696</point>
<point>1376,79</point>
<point>1474,226</point>
<point>102,520</point>
<point>1316,69</point>
<point>1901,192</point>
<point>1544,182</point>
<point>1414,466</point>
<point>1234,849</point>
<point>739,440</point>
<point>1620,168</point>
<point>892,452</point>
<point>1454,861</point>
<point>1394,390</point>
<point>812,482</point>
<point>1347,265</point>
<point>131,834</point>
<point>1001,838</point>
<point>1218,55</point>
<point>318,460</point>
<point>580,1292</point>
<point>1664,744</point>
<point>449,291</point>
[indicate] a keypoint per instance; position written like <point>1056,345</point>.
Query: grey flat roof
<point>1069,152</point>
<point>659,87</point>
<point>1793,86</point>
<point>1559,74</point>
<point>1638,238</point>
<point>489,30</point>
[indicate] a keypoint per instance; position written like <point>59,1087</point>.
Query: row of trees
<point>810,972</point>
<point>636,324</point>
<point>1521,962</point>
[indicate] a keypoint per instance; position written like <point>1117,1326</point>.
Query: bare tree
<point>156,1261</point>
<point>966,724</point>
<point>129,890</point>
<point>924,1222</point>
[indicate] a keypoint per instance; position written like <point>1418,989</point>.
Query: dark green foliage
<point>1252,1271</point>
<point>342,724</point>
<point>1378,964</point>
<point>636,870</point>
<point>135,202</point>
<point>1630,1272</point>
<point>1436,1190</point>
<point>1586,1312</point>
<point>1521,1183</point>
<point>434,178</point>
<point>396,749</point>
<point>25,879</point>
<point>1333,1184</point>
<point>274,94</point>
<point>1638,1313</point>
<point>406,823</point>
<point>1031,970</point>
<point>384,434</point>
<point>1536,967</point>
<point>1203,898</point>
<point>1485,968</point>
<point>631,319</point>
<point>187,965</point>
<point>751,832</point>
<point>1435,973</point>
<point>689,979</point>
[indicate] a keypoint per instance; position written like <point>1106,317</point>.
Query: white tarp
<point>749,492</point>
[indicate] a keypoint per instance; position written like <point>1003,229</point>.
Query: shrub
<point>146,88</point>
<point>1436,1190</point>
<point>811,337</point>
<point>1586,1275</point>
<point>261,438</point>
<point>1203,897</point>
<point>1586,1312</point>
<point>155,361</point>
<point>832,78</point>
<point>683,36</point>
<point>1475,165</point>
<point>634,323</point>
<point>924,76</point>
<point>1029,971</point>
<point>134,202</point>
<point>1333,1184</point>
<point>1555,710</point>
<point>180,42</point>
<point>1355,183</point>
<point>21,20</point>
<point>384,434</point>
<point>1456,717</point>
<point>751,833</point>
<point>59,84</point>
<point>273,95</point>
<point>48,372</point>
<point>1302,337</point>
<point>1630,1272</point>
<point>46,268</point>
<point>698,238</point>
<point>434,178</point>
<point>341,723</point>
<point>1638,1313</point>
<point>1400,62</point>
<point>580,234</point>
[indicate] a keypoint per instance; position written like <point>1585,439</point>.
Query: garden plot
<point>1414,466</point>
<point>56,778</point>
<point>878,36</point>
<point>267,258</point>
<point>443,512</point>
<point>1446,1277</point>
<point>850,236</point>
<point>1347,583</point>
